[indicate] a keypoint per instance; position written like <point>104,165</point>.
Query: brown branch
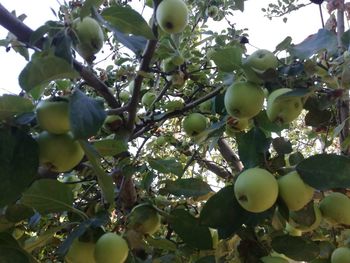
<point>230,157</point>
<point>214,168</point>
<point>24,33</point>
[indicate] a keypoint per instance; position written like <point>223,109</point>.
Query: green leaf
<point>325,171</point>
<point>88,4</point>
<point>12,105</point>
<point>296,248</point>
<point>166,166</point>
<point>322,40</point>
<point>189,229</point>
<point>110,147</point>
<point>86,115</point>
<point>104,181</point>
<point>128,21</point>
<point>285,44</point>
<point>227,59</point>
<point>44,68</point>
<point>39,241</point>
<point>19,164</point>
<point>48,196</point>
<point>18,212</point>
<point>265,124</point>
<point>191,187</point>
<point>161,243</point>
<point>252,147</point>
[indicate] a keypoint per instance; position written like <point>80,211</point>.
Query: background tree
<point>178,146</point>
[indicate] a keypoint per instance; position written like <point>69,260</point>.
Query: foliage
<point>143,155</point>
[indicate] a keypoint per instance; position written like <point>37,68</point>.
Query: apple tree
<point>155,137</point>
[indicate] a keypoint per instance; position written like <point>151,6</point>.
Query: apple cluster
<point>58,150</point>
<point>244,99</point>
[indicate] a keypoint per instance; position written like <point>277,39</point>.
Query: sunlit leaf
<point>227,59</point>
<point>191,187</point>
<point>12,105</point>
<point>110,147</point>
<point>166,166</point>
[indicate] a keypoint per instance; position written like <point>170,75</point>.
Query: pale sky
<point>263,32</point>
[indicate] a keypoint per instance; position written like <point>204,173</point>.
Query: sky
<point>263,33</point>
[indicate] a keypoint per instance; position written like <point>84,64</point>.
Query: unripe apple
<point>90,37</point>
<point>148,98</point>
<point>177,60</point>
<point>124,95</point>
<point>112,123</point>
<point>53,115</point>
<point>234,125</point>
<point>168,65</point>
<point>283,110</point>
<point>111,248</point>
<point>194,124</point>
<point>212,11</point>
<point>256,190</point>
<point>177,79</point>
<point>173,105</point>
<point>335,208</point>
<point>172,16</point>
<point>60,153</point>
<point>271,259</point>
<point>341,255</point>
<point>144,219</point>
<point>293,191</point>
<point>244,100</point>
<point>206,106</point>
<point>261,60</point>
<point>80,252</point>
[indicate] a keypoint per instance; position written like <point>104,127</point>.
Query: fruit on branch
<point>124,96</point>
<point>206,106</point>
<point>59,152</point>
<point>172,16</point>
<point>194,124</point>
<point>212,11</point>
<point>177,79</point>
<point>80,252</point>
<point>303,227</point>
<point>148,98</point>
<point>293,191</point>
<point>112,123</point>
<point>111,248</point>
<point>176,104</point>
<point>283,109</point>
<point>144,219</point>
<point>53,115</point>
<point>261,60</point>
<point>177,59</point>
<point>168,65</point>
<point>234,125</point>
<point>335,208</point>
<point>272,259</point>
<point>244,99</point>
<point>341,255</point>
<point>256,190</point>
<point>89,36</point>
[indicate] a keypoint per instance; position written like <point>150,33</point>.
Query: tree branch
<point>230,157</point>
<point>219,171</point>
<point>23,34</point>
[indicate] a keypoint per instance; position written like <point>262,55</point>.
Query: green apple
<point>172,16</point>
<point>212,11</point>
<point>307,228</point>
<point>173,105</point>
<point>206,106</point>
<point>89,35</point>
<point>112,123</point>
<point>283,110</point>
<point>341,255</point>
<point>272,259</point>
<point>148,98</point>
<point>244,100</point>
<point>234,125</point>
<point>124,95</point>
<point>144,219</point>
<point>160,141</point>
<point>80,252</point>
<point>256,190</point>
<point>261,60</point>
<point>194,124</point>
<point>60,152</point>
<point>111,248</point>
<point>53,115</point>
<point>293,191</point>
<point>335,208</point>
<point>168,65</point>
<point>177,59</point>
<point>177,79</point>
